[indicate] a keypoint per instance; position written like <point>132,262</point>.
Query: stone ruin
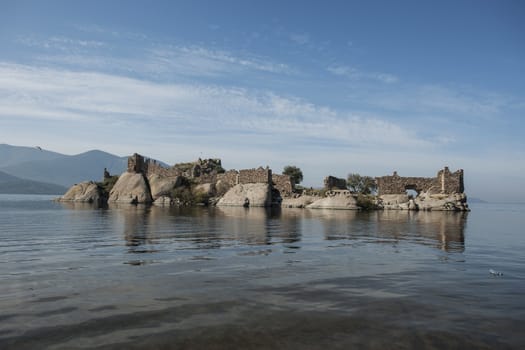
<point>334,183</point>
<point>443,192</point>
<point>206,171</point>
<point>445,182</point>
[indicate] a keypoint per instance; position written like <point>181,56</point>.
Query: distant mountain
<point>10,155</point>
<point>33,163</point>
<point>476,200</point>
<point>68,170</point>
<point>14,185</point>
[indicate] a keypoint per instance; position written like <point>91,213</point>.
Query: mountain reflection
<point>213,228</point>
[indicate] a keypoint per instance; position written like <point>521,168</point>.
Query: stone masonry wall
<point>445,182</point>
<point>259,175</point>
<point>136,164</point>
<point>283,183</point>
<point>230,177</point>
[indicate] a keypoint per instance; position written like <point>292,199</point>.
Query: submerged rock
<point>130,188</point>
<point>252,195</point>
<point>84,192</point>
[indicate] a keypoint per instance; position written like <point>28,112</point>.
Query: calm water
<point>74,276</point>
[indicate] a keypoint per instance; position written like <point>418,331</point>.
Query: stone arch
<point>412,191</point>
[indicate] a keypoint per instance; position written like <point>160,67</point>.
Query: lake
<point>139,277</point>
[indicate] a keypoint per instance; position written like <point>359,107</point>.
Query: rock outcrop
<point>335,200</point>
<point>298,201</point>
<point>130,188</point>
<point>425,201</point>
<point>248,195</point>
<point>442,202</point>
<point>162,186</point>
<point>84,192</point>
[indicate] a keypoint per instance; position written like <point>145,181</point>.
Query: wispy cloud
<point>206,61</point>
<point>51,94</point>
<point>60,43</point>
<point>357,74</point>
<point>154,58</point>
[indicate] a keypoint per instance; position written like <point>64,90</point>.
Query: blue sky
<point>330,86</point>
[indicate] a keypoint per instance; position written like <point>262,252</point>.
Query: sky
<point>333,87</point>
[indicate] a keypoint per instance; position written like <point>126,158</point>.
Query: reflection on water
<point>128,276</point>
<point>216,227</point>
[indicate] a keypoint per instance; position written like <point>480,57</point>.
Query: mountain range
<point>35,170</point>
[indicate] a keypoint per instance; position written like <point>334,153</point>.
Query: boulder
<point>342,201</point>
<point>442,202</point>
<point>130,188</point>
<point>85,192</point>
<point>394,201</point>
<point>162,186</point>
<point>163,201</point>
<point>298,202</point>
<point>253,195</point>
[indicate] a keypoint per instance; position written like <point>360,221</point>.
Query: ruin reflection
<point>443,230</point>
<point>210,228</point>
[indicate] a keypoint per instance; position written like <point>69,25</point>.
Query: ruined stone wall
<point>230,177</point>
<point>155,168</point>
<point>207,178</point>
<point>332,182</point>
<point>451,182</point>
<point>136,164</point>
<point>283,183</point>
<point>445,182</point>
<point>259,175</point>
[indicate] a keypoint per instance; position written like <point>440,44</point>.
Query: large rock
<point>442,202</point>
<point>298,202</point>
<point>340,201</point>
<point>394,201</point>
<point>207,189</point>
<point>85,192</point>
<point>162,186</point>
<point>130,188</point>
<point>253,195</point>
<point>163,201</point>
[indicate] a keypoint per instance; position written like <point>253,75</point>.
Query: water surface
<point>75,276</point>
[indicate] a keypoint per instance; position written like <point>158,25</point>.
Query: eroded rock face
<point>298,202</point>
<point>253,195</point>
<point>85,192</point>
<point>162,186</point>
<point>163,201</point>
<point>206,188</point>
<point>130,188</point>
<point>442,202</point>
<point>347,202</point>
<point>394,201</point>
<point>425,201</point>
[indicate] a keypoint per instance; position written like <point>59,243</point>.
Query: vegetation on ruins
<point>294,172</point>
<point>361,184</point>
<point>106,185</point>
<point>187,194</point>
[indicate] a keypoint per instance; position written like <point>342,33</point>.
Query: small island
<point>206,182</point>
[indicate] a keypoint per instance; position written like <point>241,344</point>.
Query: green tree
<point>294,172</point>
<point>361,184</point>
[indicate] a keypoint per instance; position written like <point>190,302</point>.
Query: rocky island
<point>206,182</point>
